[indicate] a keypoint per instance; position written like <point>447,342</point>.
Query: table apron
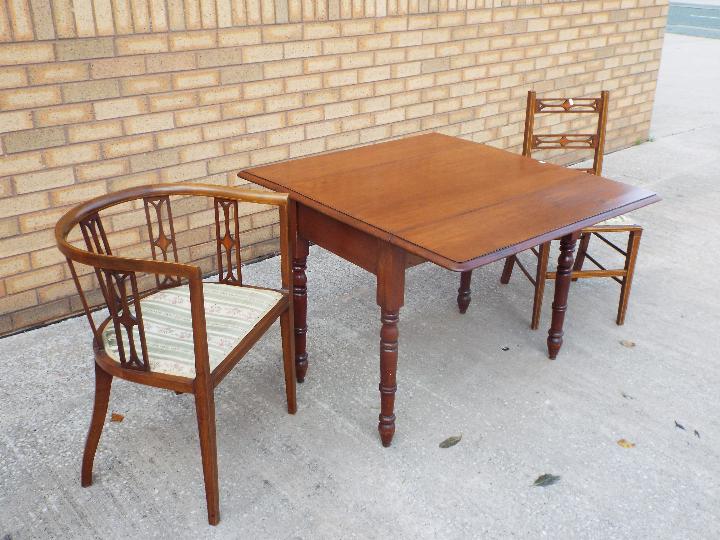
<point>362,248</point>
<point>339,238</point>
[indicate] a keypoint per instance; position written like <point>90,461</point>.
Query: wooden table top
<point>456,203</point>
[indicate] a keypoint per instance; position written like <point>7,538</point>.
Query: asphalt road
<point>694,20</point>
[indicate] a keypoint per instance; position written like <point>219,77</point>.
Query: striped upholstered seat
<point>230,313</point>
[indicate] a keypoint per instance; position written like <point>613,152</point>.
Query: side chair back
<point>563,141</point>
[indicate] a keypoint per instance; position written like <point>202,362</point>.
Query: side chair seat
<point>617,221</point>
<point>231,312</point>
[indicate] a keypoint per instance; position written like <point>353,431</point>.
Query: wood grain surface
<point>456,203</point>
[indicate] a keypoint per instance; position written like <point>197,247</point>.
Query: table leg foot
<point>388,369</point>
<point>463,298</point>
<point>386,433</point>
<point>562,287</point>
<point>300,307</point>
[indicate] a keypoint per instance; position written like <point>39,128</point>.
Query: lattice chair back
<point>120,292</point>
<point>117,277</point>
<point>562,141</point>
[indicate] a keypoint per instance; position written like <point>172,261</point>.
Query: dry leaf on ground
<point>626,444</point>
<point>627,343</point>
<point>116,417</point>
<point>546,480</point>
<point>451,441</point>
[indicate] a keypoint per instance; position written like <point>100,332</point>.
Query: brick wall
<point>98,95</point>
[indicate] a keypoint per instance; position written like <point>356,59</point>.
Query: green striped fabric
<point>230,313</point>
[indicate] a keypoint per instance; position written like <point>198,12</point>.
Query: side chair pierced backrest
<point>562,141</point>
<point>166,327</point>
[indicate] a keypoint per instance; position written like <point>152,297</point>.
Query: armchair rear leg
<point>288,345</point>
<point>103,381</point>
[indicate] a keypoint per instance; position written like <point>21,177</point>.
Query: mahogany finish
<point>455,203</point>
<point>227,235</point>
<point>390,298</point>
<point>463,298</point>
<point>443,198</point>
<point>300,299</point>
<point>596,142</point>
<point>103,381</point>
<point>118,281</point>
<point>161,241</point>
<point>562,287</point>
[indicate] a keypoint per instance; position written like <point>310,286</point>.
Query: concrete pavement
<point>323,473</point>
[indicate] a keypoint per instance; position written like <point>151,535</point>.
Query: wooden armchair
<point>183,334</point>
<point>621,224</point>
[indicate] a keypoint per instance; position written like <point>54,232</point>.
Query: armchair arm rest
<point>127,264</point>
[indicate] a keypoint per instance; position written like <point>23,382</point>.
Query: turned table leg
<point>390,294</point>
<point>562,287</point>
<point>463,298</point>
<point>302,247</point>
<point>388,371</point>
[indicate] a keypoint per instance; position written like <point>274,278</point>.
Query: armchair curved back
<point>117,276</point>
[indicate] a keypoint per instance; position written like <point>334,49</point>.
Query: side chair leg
<point>205,409</point>
<point>582,250</point>
<point>540,278</point>
<point>463,298</point>
<point>288,346</point>
<point>632,251</point>
<point>103,381</point>
<point>507,269</point>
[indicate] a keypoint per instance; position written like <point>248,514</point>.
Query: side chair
<point>621,224</point>
<point>184,334</point>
